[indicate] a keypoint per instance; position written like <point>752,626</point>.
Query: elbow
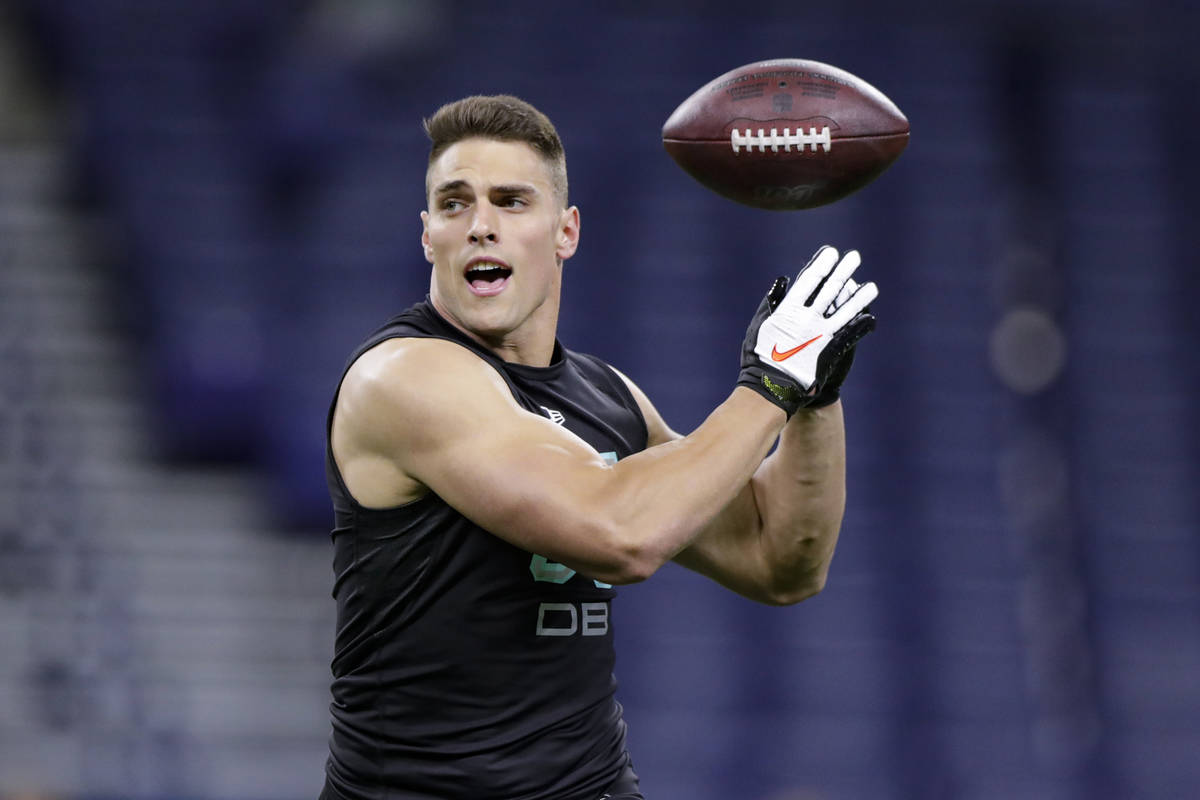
<point>801,573</point>
<point>625,572</point>
<point>633,565</point>
<point>631,559</point>
<point>796,593</point>
<point>628,574</point>
<point>798,585</point>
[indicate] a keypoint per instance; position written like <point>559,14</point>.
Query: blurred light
<point>1027,350</point>
<point>376,27</point>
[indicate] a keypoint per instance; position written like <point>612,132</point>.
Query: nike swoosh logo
<point>785,355</point>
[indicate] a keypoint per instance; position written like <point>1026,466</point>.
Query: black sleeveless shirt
<point>463,666</point>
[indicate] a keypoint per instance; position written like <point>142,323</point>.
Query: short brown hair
<point>502,117</point>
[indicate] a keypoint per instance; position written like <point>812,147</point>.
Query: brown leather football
<point>786,134</point>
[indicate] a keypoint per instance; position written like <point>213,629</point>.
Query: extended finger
<point>814,272</point>
<point>866,293</point>
<point>849,288</point>
<point>777,292</point>
<point>841,273</point>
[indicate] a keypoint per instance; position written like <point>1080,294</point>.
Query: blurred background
<point>204,205</point>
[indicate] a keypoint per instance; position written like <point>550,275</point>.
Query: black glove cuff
<point>830,391</point>
<point>825,398</point>
<point>774,386</point>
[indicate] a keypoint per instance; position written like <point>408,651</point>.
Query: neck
<point>531,343</point>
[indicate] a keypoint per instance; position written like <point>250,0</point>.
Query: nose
<point>483,225</point>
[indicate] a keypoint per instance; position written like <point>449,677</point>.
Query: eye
<point>451,205</point>
<point>512,201</point>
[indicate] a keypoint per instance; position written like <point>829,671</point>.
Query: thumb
<point>777,292</point>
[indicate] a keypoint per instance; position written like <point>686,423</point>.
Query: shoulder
<point>406,357</point>
<point>400,401</point>
<point>412,377</point>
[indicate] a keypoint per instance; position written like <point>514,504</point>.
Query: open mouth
<point>487,277</point>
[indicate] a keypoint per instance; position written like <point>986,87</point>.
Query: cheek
<point>541,246</point>
<point>544,262</point>
<point>436,244</point>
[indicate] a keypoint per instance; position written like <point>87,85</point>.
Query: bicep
<point>437,416</point>
<point>510,471</point>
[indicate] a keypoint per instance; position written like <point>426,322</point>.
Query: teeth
<point>485,266</point>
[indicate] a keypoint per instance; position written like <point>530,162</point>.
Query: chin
<point>490,317</point>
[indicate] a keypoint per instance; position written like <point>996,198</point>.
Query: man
<point>491,486</point>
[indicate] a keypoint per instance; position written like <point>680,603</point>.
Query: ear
<point>425,245</point>
<point>568,233</point>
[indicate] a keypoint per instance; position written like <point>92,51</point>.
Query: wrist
<point>824,399</point>
<point>774,387</point>
<point>815,409</point>
<point>751,404</point>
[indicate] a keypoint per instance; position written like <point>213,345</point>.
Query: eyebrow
<point>505,189</point>
<point>514,188</point>
<point>449,186</point>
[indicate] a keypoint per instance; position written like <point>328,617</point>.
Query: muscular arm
<point>418,415</point>
<point>774,541</point>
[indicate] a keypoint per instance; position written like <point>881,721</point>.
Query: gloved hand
<point>800,343</point>
<point>841,357</point>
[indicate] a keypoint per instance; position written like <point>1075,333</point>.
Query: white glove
<point>821,302</point>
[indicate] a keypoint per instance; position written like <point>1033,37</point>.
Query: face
<point>496,235</point>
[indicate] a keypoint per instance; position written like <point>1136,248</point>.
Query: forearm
<point>663,497</point>
<point>774,540</point>
<point>801,495</point>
